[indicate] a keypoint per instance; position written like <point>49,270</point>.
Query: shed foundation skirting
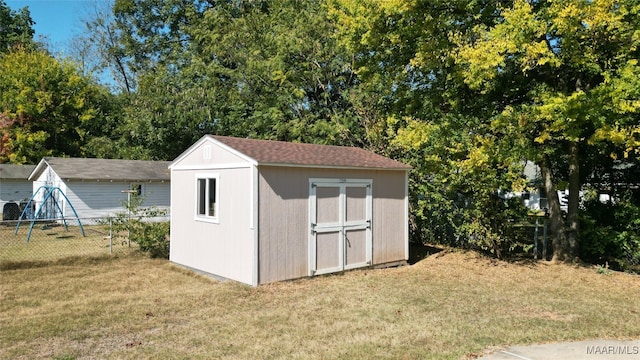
<point>224,279</point>
<point>204,273</point>
<point>387,265</point>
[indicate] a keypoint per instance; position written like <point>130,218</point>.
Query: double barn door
<point>340,228</point>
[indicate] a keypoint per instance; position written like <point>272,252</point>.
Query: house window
<point>136,189</point>
<point>207,197</point>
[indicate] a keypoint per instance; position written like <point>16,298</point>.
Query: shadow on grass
<point>418,252</point>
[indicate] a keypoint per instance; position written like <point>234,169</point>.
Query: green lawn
<point>449,305</point>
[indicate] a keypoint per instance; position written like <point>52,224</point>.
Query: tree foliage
<point>476,88</point>
<point>267,69</point>
<point>578,59</point>
<point>47,108</point>
<point>15,28</point>
<point>431,118</point>
<point>465,91</point>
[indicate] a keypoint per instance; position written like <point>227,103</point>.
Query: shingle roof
<point>15,172</point>
<point>268,152</point>
<point>105,169</point>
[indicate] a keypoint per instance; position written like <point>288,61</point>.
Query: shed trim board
<point>244,165</point>
<point>406,215</point>
<point>210,139</point>
<point>326,167</point>
<point>255,179</point>
<point>211,167</point>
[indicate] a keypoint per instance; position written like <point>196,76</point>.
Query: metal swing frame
<point>49,190</point>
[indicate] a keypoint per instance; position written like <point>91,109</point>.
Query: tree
<point>475,88</point>
<point>430,118</point>
<point>98,49</point>
<point>15,28</point>
<point>577,63</point>
<point>268,69</point>
<point>47,108</point>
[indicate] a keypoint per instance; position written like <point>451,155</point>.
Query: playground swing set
<point>47,211</point>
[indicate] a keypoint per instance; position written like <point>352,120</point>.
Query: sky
<point>57,20</point>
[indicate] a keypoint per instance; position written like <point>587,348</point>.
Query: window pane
<point>212,197</point>
<point>202,196</point>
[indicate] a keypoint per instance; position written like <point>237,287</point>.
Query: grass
<point>448,305</point>
<point>52,242</point>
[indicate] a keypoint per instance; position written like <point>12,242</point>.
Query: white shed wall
<point>225,248</point>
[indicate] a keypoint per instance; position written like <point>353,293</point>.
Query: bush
<point>611,233</point>
<point>483,222</point>
<point>152,237</point>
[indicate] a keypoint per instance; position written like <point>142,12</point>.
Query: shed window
<point>207,197</point>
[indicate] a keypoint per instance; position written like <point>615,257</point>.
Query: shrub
<point>483,222</point>
<point>611,233</point>
<point>138,222</point>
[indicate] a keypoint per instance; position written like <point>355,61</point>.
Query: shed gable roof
<point>15,172</point>
<point>105,169</point>
<point>269,152</point>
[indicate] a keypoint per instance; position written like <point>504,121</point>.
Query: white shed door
<point>340,229</point>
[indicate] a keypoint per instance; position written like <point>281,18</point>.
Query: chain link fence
<point>50,240</point>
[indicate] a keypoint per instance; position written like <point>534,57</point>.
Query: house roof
<point>281,153</point>
<point>15,172</point>
<point>104,169</point>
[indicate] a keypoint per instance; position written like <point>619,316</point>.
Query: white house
<point>259,211</point>
<point>14,184</point>
<point>99,187</point>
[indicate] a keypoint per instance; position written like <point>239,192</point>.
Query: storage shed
<point>259,211</point>
<point>99,187</point>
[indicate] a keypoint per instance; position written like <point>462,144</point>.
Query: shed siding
<point>389,223</point>
<point>225,248</point>
<point>283,223</point>
<point>284,217</point>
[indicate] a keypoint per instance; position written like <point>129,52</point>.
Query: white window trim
<point>206,218</point>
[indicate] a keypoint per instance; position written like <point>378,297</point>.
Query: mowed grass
<point>450,305</point>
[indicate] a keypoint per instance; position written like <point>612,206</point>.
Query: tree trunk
<point>573,219</point>
<point>565,235</point>
<point>556,223</point>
